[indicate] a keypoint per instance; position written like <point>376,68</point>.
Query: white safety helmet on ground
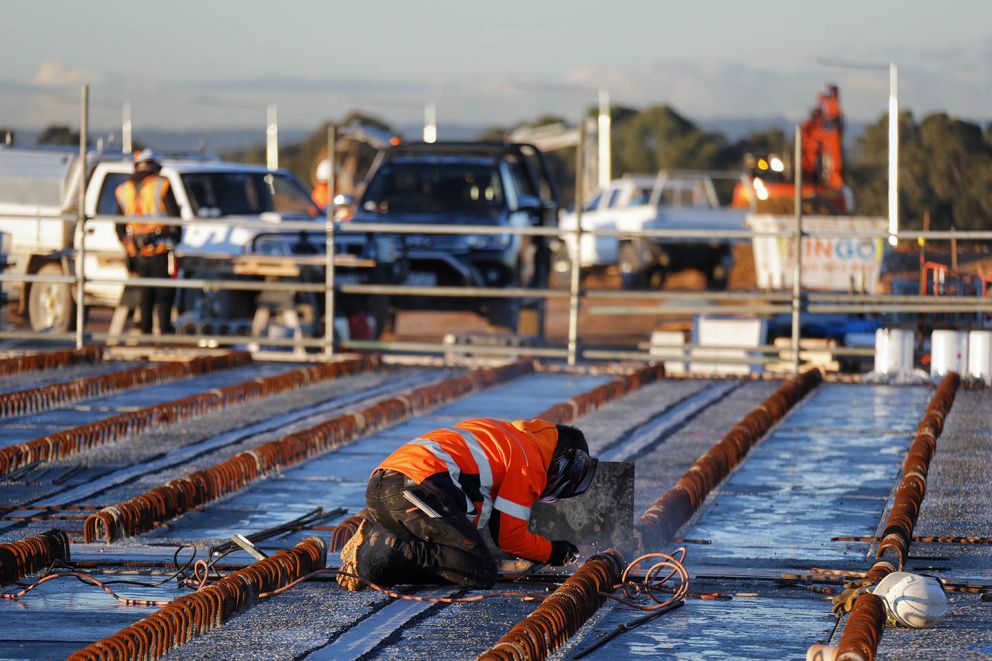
<point>913,600</point>
<point>323,170</point>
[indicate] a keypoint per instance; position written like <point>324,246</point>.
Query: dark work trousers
<point>155,266</point>
<point>443,550</point>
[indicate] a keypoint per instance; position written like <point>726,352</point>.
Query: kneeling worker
<point>429,499</point>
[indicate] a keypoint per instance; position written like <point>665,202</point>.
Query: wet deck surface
<point>826,470</point>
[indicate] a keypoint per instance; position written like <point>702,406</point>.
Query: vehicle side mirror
<point>529,203</point>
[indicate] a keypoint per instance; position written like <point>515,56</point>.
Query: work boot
<point>371,553</point>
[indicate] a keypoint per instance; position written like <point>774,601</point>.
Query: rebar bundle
<point>33,400</point>
<point>142,513</point>
<point>49,360</point>
<point>898,531</point>
<point>675,507</point>
<point>562,613</point>
<point>68,442</point>
<point>28,555</point>
<point>591,400</point>
<point>208,608</point>
<point>863,632</point>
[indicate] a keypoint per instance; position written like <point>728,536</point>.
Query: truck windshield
<point>216,194</point>
<point>434,188</point>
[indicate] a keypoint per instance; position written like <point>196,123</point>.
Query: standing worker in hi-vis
<point>430,499</point>
<point>149,244</point>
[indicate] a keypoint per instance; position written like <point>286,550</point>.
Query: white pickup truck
<point>672,200</point>
<point>38,200</point>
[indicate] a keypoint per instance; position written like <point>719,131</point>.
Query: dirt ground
<point>594,327</point>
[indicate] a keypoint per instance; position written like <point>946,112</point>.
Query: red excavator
<point>766,185</point>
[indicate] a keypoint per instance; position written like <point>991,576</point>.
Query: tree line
<point>945,163</point>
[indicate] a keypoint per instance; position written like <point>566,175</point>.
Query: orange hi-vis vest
<point>321,194</point>
<point>498,465</point>
<point>148,200</point>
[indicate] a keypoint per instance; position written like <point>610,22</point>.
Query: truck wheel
<point>718,273</point>
<point>50,305</point>
<point>634,271</point>
<point>716,278</point>
<point>504,312</point>
<point>561,266</point>
<point>382,311</point>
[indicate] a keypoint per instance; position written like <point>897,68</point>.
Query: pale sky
<point>218,63</point>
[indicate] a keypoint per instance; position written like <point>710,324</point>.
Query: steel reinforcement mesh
<point>68,442</point>
<point>143,512</point>
<point>34,400</point>
<point>208,608</point>
<point>50,360</point>
<point>675,507</point>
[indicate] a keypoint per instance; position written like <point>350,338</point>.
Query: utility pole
<point>797,264</point>
<point>603,130</point>
<point>430,122</point>
<point>272,138</point>
<point>84,127</point>
<point>126,145</point>
<point>893,154</point>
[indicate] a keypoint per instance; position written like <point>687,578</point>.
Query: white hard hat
<point>913,600</point>
<point>146,155</point>
<point>323,170</point>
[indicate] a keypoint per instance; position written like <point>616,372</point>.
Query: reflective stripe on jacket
<point>498,465</point>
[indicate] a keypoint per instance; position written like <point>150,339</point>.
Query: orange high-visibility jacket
<point>148,199</point>
<point>498,465</point>
<point>321,194</point>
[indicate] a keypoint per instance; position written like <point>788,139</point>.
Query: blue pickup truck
<point>468,184</point>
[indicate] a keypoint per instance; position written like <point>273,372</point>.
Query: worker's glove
<point>844,602</point>
<point>562,552</point>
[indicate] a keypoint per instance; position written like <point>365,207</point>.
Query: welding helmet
<point>912,600</point>
<point>572,469</point>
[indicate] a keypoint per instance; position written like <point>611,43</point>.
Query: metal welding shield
<point>572,469</point>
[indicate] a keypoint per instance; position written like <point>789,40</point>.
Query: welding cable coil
<point>50,360</point>
<point>33,400</point>
<point>143,512</point>
<point>85,437</point>
<point>672,509</point>
<point>561,614</point>
<point>28,555</point>
<point>653,584</point>
<point>191,615</point>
